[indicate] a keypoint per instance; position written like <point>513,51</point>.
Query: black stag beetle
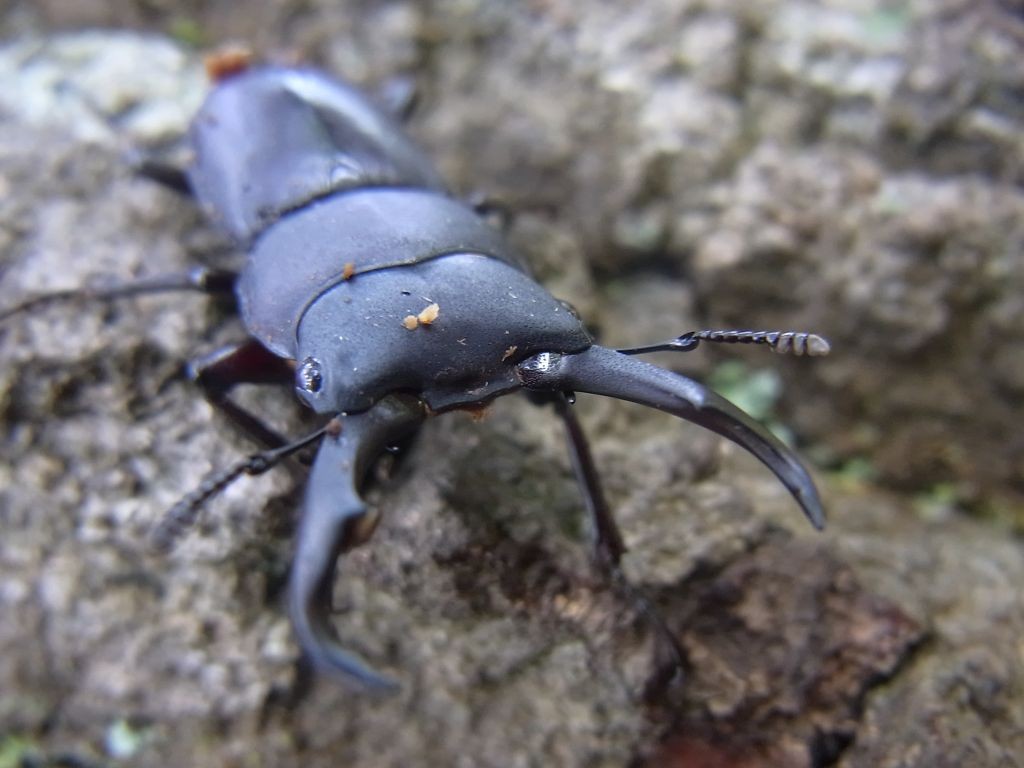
<point>387,300</point>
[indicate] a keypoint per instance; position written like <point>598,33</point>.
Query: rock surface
<point>840,167</point>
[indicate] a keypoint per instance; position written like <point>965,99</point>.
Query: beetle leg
<point>604,371</point>
<point>250,362</point>
<point>333,517</point>
<point>399,96</point>
<point>167,175</point>
<point>199,279</point>
<point>491,208</point>
<point>216,374</point>
<point>140,161</point>
<point>608,544</point>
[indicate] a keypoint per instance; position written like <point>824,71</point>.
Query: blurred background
<point>848,167</point>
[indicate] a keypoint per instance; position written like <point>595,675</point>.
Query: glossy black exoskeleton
<point>384,299</point>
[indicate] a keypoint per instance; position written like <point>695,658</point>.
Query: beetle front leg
<point>608,546</point>
<point>218,372</point>
<point>165,174</point>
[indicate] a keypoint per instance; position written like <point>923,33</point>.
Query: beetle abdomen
<point>270,140</point>
<point>309,251</point>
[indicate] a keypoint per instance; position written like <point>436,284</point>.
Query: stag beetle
<point>384,299</point>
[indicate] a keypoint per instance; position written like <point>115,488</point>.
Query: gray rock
<point>816,171</point>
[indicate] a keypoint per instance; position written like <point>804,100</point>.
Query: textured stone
<point>837,167</point>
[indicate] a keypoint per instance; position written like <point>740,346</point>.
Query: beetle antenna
<point>792,342</point>
<point>199,279</point>
<point>183,515</point>
<point>606,372</point>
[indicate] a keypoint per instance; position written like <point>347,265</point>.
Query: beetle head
<point>380,332</point>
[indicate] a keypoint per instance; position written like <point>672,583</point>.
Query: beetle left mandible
<point>383,299</point>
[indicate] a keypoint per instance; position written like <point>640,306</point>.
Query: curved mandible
<point>330,520</point>
<point>602,371</point>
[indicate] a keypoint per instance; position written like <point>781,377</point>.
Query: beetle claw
<point>604,371</point>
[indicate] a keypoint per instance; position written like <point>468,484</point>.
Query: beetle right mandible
<point>383,300</point>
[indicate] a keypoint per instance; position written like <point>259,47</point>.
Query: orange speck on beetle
<point>348,270</point>
<point>410,322</point>
<point>429,314</point>
<point>228,62</point>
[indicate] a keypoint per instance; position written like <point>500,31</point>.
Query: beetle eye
<point>310,377</point>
